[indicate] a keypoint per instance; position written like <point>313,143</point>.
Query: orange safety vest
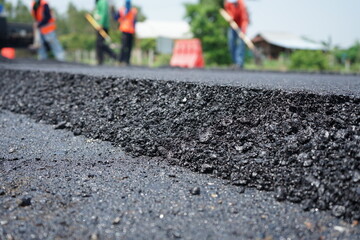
<point>39,15</point>
<point>126,21</point>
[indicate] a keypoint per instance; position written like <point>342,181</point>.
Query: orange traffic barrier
<point>188,54</point>
<point>8,53</point>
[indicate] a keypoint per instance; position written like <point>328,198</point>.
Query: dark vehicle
<point>15,35</point>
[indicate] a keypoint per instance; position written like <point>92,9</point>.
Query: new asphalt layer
<point>295,137</point>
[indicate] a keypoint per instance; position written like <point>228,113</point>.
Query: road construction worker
<point>126,16</point>
<point>102,16</point>
<point>46,23</point>
<point>237,10</point>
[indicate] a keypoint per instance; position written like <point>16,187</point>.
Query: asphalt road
<point>317,83</point>
<point>80,188</point>
<point>297,136</point>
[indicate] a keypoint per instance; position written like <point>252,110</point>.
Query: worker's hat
<point>232,1</point>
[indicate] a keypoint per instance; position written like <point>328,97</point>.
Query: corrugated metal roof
<point>168,29</point>
<point>290,41</point>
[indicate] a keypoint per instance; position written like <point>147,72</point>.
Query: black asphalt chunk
<point>303,146</point>
<point>24,202</point>
<point>82,188</point>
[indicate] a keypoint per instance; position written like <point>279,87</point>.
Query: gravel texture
<point>303,146</point>
<point>54,185</point>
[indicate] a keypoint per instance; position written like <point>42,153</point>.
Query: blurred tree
<point>207,25</point>
<point>76,21</point>
<point>352,54</point>
<point>22,13</point>
<point>147,44</point>
<point>141,16</point>
<point>62,26</point>
<point>74,30</point>
<point>7,6</point>
<point>308,60</point>
<point>74,41</point>
<point>19,13</point>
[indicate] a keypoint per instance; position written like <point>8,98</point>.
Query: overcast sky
<point>316,19</point>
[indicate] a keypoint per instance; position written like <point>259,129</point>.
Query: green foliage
<point>162,60</point>
<point>19,13</point>
<point>309,60</point>
<point>207,24</point>
<point>147,44</point>
<point>352,54</point>
<point>75,41</point>
<point>140,16</point>
<point>74,31</point>
<point>218,3</point>
<point>355,67</point>
<point>73,22</point>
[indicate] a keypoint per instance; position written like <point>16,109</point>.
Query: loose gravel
<point>303,146</point>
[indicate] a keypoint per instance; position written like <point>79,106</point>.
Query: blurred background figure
<point>102,16</point>
<point>237,10</point>
<point>46,24</point>
<point>127,17</point>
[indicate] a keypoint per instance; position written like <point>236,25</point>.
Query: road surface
<point>168,153</point>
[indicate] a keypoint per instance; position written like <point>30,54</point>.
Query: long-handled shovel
<point>248,42</point>
<point>102,32</point>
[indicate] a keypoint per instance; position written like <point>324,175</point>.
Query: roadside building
<point>273,44</point>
